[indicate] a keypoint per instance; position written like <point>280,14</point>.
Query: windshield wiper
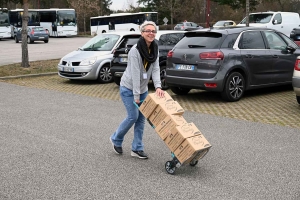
<point>195,46</point>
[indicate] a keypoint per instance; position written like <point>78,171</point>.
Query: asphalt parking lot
<point>276,105</point>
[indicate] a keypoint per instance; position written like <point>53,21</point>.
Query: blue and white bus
<point>58,22</point>
<point>121,22</point>
<point>15,18</point>
<point>5,30</point>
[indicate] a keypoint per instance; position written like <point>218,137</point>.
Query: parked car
<point>33,34</point>
<point>296,79</point>
<point>187,26</point>
<point>231,61</point>
<point>295,35</point>
<point>224,23</point>
<point>166,41</point>
<point>92,60</point>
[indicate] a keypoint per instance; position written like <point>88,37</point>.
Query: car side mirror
<point>290,49</point>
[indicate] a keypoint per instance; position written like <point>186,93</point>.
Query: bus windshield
<point>4,20</point>
<point>66,18</point>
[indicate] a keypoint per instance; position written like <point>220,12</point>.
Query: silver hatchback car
<point>92,60</point>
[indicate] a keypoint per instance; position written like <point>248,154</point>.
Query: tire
<point>29,40</point>
<point>170,167</point>
<point>46,41</point>
<point>16,39</point>
<point>234,87</point>
<point>132,29</point>
<point>298,99</point>
<point>104,75</point>
<point>103,31</point>
<point>194,163</point>
<point>117,80</point>
<point>164,85</point>
<point>180,91</point>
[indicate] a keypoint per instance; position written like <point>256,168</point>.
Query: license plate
<point>185,67</point>
<point>68,69</point>
<point>41,37</point>
<point>123,59</point>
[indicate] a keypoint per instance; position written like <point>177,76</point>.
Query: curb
<point>27,75</point>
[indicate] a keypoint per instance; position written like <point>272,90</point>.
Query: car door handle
<point>249,56</point>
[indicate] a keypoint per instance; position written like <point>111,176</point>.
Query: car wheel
<point>164,85</point>
<point>298,99</point>
<point>117,80</point>
<point>132,29</point>
<point>16,39</point>
<point>104,74</point>
<point>180,91</point>
<point>29,40</point>
<point>234,87</point>
<point>46,41</point>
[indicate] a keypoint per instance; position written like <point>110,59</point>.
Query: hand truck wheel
<point>193,163</point>
<point>170,167</point>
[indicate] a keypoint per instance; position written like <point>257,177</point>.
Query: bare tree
<point>25,19</point>
<point>83,9</point>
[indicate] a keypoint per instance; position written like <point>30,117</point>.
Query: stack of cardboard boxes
<point>182,138</point>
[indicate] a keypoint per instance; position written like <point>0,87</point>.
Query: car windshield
<point>103,42</point>
<point>258,18</point>
<point>219,23</point>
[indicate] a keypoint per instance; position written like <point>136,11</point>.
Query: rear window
<point>38,29</point>
<point>170,39</point>
<point>128,42</point>
<point>203,40</point>
<point>230,40</point>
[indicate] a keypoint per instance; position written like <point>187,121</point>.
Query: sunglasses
<point>150,31</point>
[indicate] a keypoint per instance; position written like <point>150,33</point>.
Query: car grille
<point>73,63</point>
<point>72,74</point>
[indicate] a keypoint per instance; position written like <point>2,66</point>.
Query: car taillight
<point>47,32</point>
<point>170,54</point>
<point>212,55</point>
<point>297,65</point>
<point>32,32</point>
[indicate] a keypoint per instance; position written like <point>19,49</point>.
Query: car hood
<point>82,55</point>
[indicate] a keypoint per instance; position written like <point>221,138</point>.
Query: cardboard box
<point>163,110</point>
<point>167,124</point>
<point>150,103</point>
<point>179,133</point>
<point>190,147</point>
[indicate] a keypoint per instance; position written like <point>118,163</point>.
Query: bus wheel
<point>132,29</point>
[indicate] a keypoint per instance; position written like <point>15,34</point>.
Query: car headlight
<point>60,62</point>
<point>89,61</point>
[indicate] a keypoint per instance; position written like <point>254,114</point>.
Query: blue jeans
<point>134,116</point>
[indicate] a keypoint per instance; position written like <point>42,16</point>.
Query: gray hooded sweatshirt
<point>133,77</point>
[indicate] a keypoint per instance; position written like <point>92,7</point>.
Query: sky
<point>122,4</point>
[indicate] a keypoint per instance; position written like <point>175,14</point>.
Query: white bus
<point>15,18</point>
<point>5,30</point>
<point>58,22</point>
<point>120,22</point>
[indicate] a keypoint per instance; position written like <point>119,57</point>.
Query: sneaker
<point>139,154</point>
<point>118,150</point>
